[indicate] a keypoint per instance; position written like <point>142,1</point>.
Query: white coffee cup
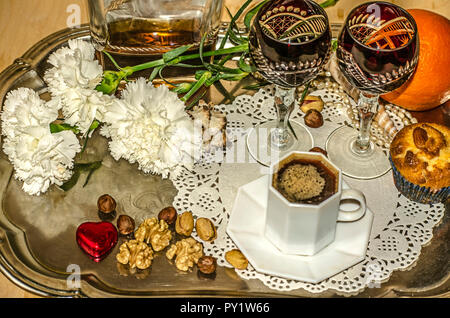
<point>305,229</point>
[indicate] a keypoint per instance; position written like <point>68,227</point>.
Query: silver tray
<point>37,234</point>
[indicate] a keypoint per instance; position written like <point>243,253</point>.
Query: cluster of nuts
<point>107,208</point>
<point>155,234</point>
<point>188,251</point>
<point>312,107</point>
<point>204,227</point>
<point>151,236</point>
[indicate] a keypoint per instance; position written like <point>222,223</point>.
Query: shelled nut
<point>207,264</point>
<point>168,214</point>
<point>106,204</point>
<point>125,224</point>
<point>320,150</point>
<point>184,224</point>
<point>236,259</point>
<point>312,102</point>
<point>313,118</point>
<point>206,229</point>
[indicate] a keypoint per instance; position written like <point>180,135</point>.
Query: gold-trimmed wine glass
<point>377,52</point>
<point>289,42</point>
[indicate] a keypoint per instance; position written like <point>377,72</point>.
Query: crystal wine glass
<point>290,42</point>
<point>377,52</point>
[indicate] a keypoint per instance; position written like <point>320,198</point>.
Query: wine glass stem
<point>367,108</point>
<point>284,104</point>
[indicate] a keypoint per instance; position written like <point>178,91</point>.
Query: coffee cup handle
<point>350,216</point>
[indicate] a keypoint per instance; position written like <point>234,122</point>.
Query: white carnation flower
<point>39,157</point>
<point>149,126</point>
<point>72,81</point>
<point>23,107</point>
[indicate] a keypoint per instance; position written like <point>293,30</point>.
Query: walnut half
<point>187,252</point>
<point>135,254</point>
<point>154,232</point>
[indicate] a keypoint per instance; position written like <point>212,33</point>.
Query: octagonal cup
<point>306,228</point>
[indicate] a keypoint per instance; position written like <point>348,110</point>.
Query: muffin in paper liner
<point>418,193</point>
<point>420,158</point>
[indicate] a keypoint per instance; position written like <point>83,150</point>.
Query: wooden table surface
<point>25,22</point>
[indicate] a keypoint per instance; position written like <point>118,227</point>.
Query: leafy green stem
<point>235,49</point>
<point>206,75</point>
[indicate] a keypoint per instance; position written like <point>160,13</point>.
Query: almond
<point>206,229</point>
<point>184,223</point>
<point>236,259</point>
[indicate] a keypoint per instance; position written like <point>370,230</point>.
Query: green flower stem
<point>206,75</point>
<point>111,79</point>
<point>236,49</point>
<point>233,21</point>
<point>182,87</point>
<point>328,3</point>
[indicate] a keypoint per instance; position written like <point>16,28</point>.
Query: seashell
<point>337,75</point>
<point>385,122</point>
<point>213,125</point>
<point>217,129</point>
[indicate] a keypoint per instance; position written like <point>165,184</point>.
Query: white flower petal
<point>39,157</point>
<point>148,125</point>
<point>72,81</point>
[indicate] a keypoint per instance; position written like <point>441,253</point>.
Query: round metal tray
<point>38,251</point>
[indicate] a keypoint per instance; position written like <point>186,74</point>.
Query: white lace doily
<point>400,226</point>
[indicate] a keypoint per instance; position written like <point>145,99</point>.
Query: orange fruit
<point>429,87</point>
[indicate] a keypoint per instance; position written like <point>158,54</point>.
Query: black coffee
<point>305,181</point>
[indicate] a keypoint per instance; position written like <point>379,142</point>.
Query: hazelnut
<point>320,150</point>
<point>168,214</point>
<point>106,204</point>
<point>313,118</point>
<point>207,264</point>
<point>206,229</point>
<point>236,259</point>
<point>312,102</point>
<point>125,224</point>
<point>184,224</point>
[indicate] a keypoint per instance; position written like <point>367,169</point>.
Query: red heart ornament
<point>96,239</point>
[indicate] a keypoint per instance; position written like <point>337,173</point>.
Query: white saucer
<point>246,229</point>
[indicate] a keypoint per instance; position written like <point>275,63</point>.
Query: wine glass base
<point>264,151</point>
<point>372,164</point>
